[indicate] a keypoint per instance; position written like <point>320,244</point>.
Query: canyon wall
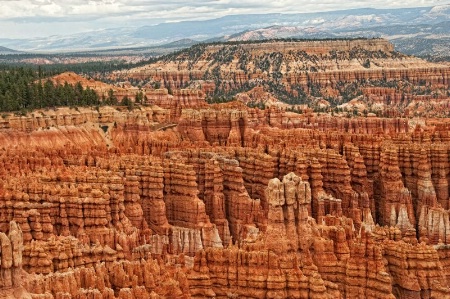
<point>178,198</point>
<point>217,201</point>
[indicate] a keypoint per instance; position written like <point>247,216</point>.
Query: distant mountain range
<point>419,31</point>
<point>6,51</point>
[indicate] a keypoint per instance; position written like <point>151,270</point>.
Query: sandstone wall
<point>224,201</point>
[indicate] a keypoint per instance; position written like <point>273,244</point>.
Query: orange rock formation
<point>181,199</point>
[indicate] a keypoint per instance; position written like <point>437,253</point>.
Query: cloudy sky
<point>35,18</point>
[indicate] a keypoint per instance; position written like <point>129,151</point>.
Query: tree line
<point>23,89</point>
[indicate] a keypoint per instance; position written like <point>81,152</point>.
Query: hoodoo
<point>320,180</point>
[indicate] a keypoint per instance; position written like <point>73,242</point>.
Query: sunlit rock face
<point>181,199</point>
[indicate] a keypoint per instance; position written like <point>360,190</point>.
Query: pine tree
<point>112,100</point>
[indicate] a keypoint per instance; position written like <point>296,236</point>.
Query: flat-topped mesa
<point>323,62</point>
<point>314,73</point>
<point>314,46</point>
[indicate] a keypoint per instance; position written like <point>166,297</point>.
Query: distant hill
<point>425,27</point>
<point>6,51</point>
<point>420,40</point>
<point>185,42</point>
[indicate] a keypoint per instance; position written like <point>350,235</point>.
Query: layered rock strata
<point>223,201</point>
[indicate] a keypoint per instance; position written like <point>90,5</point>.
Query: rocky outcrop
<point>295,257</point>
<point>177,101</point>
<point>195,200</point>
<point>269,267</point>
<point>415,270</point>
<point>11,280</point>
<point>355,76</point>
<point>127,279</point>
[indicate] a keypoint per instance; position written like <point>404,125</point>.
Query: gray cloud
<point>80,15</point>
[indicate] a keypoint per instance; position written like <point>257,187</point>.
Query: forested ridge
<point>89,68</point>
